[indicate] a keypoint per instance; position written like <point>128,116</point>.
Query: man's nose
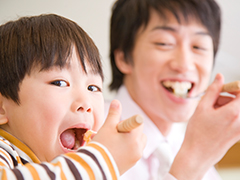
<point>183,60</point>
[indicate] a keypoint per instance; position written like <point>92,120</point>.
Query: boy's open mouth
<point>72,139</point>
<point>179,89</point>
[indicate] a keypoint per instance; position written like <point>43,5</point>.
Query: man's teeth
<point>180,89</point>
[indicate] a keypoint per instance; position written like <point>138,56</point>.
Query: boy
<point>162,51</point>
<point>50,95</point>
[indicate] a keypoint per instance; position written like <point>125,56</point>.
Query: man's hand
<point>211,131</point>
<point>126,148</point>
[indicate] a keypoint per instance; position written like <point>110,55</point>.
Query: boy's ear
<point>3,118</point>
<point>122,65</point>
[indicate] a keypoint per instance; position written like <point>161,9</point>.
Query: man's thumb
<point>114,112</point>
<point>214,89</point>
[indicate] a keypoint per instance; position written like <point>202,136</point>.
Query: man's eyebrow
<point>166,28</point>
<point>172,29</point>
<point>202,33</point>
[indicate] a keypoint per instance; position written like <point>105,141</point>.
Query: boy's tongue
<point>68,138</point>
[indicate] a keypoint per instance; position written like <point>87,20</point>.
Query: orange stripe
<point>4,175</point>
<point>4,142</point>
<point>83,163</point>
<point>19,160</point>
<point>106,158</point>
<point>6,155</point>
<point>33,171</point>
<point>2,164</point>
<point>63,177</point>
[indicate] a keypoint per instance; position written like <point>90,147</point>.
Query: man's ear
<point>3,117</point>
<point>122,65</point>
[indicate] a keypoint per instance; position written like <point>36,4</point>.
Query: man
<point>162,52</point>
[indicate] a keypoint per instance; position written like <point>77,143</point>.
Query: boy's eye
<point>60,83</point>
<point>94,88</point>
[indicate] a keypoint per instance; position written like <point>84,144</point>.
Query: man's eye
<point>163,44</point>
<point>60,83</point>
<point>94,88</point>
<point>199,48</point>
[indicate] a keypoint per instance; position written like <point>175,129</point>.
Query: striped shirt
<point>91,162</point>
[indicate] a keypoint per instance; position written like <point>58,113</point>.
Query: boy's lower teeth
<point>77,145</point>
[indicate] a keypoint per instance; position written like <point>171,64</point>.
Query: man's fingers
<point>114,112</point>
<point>222,100</point>
<point>213,91</point>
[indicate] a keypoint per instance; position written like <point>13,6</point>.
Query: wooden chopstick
<point>231,87</point>
<point>130,123</point>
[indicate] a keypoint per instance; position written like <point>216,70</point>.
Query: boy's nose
<point>84,108</point>
<point>183,60</point>
<point>82,103</point>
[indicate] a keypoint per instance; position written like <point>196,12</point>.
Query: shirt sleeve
<point>92,161</point>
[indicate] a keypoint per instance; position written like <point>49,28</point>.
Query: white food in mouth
<point>180,89</point>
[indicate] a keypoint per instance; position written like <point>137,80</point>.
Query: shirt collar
<point>23,150</point>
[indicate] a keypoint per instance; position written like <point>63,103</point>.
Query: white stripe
<point>92,164</point>
<point>7,147</point>
<point>9,173</point>
<point>110,157</point>
<point>82,171</point>
<point>101,161</point>
<point>65,168</point>
<point>5,163</point>
<point>25,172</point>
<point>41,171</point>
<point>55,169</point>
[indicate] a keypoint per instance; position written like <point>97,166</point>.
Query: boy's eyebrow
<point>92,72</point>
<point>172,29</point>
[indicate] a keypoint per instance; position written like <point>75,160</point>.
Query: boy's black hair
<point>41,41</point>
<point>128,16</point>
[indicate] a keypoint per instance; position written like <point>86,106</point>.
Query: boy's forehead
<point>70,62</point>
<point>72,65</point>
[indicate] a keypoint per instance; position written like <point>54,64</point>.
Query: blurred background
<point>94,15</point>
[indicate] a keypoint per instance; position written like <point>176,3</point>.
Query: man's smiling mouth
<point>179,89</point>
<point>72,139</point>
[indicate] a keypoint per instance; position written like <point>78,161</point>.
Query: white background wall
<point>93,16</point>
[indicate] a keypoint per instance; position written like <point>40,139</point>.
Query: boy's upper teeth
<point>179,88</point>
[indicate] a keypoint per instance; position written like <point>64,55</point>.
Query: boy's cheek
<point>98,113</point>
<point>98,120</point>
